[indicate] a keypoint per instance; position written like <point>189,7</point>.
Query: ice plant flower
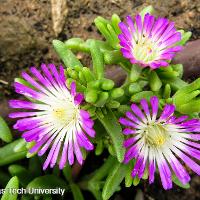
<point>55,121</point>
<point>160,141</point>
<point>149,41</point>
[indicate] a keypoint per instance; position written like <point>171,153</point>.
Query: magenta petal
<point>167,112</point>
<point>78,99</point>
<point>70,153</point>
<point>73,89</point>
<point>152,169</point>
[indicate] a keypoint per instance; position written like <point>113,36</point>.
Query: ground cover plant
<point>146,127</point>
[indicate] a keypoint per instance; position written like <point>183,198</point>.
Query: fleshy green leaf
<point>77,44</point>
<point>21,172</point>
<point>178,68</point>
<point>154,81</point>
<point>97,59</point>
<point>12,184</point>
<point>8,155</point>
<point>167,91</point>
<point>186,99</point>
<point>115,132</point>
<point>128,177</point>
<point>185,36</point>
<point>134,88</point>
<point>102,99</point>
<point>66,55</point>
<point>113,180</point>
<point>47,182</point>
<point>5,133</point>
<point>135,73</point>
<point>142,95</point>
<point>115,20</point>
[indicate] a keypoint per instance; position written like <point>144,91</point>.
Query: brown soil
<point>26,35</point>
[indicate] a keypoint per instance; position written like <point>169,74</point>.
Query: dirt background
<point>26,35</point>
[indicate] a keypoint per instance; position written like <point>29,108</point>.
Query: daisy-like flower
<point>55,121</point>
<point>160,141</point>
<point>149,41</point>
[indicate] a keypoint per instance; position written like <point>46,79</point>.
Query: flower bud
<point>91,96</point>
<point>117,92</point>
<point>107,84</point>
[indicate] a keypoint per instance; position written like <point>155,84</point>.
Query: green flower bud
<point>107,84</point>
<point>69,81</point>
<point>91,96</point>
<point>154,81</point>
<point>116,93</point>
<point>72,73</point>
<point>94,84</point>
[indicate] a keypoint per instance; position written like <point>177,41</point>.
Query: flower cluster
<point>53,118</point>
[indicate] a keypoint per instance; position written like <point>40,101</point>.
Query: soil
<point>26,36</point>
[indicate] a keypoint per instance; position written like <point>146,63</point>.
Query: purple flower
<point>149,41</point>
<point>54,119</point>
<point>160,141</point>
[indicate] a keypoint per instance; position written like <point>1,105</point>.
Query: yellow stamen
<point>156,135</point>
